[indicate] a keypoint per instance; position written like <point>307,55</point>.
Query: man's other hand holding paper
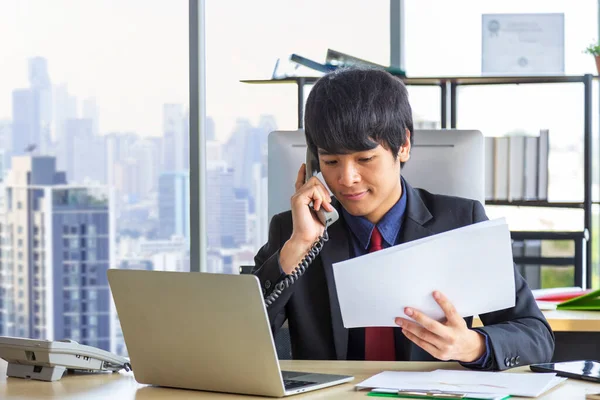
<point>448,340</point>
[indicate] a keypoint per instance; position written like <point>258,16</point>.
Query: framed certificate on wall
<point>523,44</point>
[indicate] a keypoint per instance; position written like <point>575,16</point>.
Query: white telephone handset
<point>326,217</point>
<point>312,168</point>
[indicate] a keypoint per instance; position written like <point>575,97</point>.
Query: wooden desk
<point>568,321</point>
<point>123,386</point>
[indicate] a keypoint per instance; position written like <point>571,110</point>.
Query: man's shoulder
<point>282,219</point>
<point>449,210</point>
<point>443,200</point>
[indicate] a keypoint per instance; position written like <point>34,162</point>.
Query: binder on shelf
<point>501,154</point>
<point>489,168</point>
<point>589,301</point>
<point>531,167</point>
<point>516,167</point>
<point>307,62</point>
<point>544,148</point>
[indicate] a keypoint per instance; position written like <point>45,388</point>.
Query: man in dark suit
<point>359,124</point>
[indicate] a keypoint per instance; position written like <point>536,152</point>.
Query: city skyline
<point>53,285</point>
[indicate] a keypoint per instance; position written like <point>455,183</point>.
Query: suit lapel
<point>417,215</point>
<point>336,250</point>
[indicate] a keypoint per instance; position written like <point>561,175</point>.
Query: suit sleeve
<point>519,335</point>
<point>269,273</point>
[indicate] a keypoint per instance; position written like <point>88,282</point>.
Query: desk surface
<point>569,321</point>
<point>123,386</point>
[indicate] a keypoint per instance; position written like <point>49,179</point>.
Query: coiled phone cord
<point>299,271</point>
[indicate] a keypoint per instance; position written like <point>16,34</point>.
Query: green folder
<point>408,396</point>
<point>589,301</point>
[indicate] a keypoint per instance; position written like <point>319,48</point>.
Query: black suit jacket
<point>518,336</point>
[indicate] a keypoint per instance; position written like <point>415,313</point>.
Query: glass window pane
<point>246,44</point>
<point>107,107</point>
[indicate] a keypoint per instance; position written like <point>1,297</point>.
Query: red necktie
<point>379,341</point>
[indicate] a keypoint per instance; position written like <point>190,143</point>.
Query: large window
<point>445,39</point>
<point>244,40</point>
<point>94,159</point>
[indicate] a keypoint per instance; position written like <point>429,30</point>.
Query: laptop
<point>203,331</point>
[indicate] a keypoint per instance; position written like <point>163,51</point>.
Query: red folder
<point>560,297</point>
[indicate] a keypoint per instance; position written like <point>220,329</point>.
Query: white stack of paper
<point>472,266</point>
<point>464,382</point>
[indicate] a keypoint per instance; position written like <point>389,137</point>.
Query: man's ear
<point>404,153</point>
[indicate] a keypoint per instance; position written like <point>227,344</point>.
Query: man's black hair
<point>355,109</point>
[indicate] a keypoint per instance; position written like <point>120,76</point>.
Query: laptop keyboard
<point>289,384</point>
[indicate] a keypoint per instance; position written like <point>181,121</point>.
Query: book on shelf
<point>516,167</point>
<point>544,149</point>
<point>530,190</point>
<point>501,154</point>
<point>489,168</point>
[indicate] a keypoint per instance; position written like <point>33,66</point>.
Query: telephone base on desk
<point>47,360</point>
<point>36,372</point>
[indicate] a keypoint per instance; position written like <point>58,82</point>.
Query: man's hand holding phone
<point>307,226</point>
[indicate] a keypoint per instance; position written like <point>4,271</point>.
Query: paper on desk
<point>459,382</point>
<point>472,266</point>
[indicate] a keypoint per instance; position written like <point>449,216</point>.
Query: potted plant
<point>594,49</point>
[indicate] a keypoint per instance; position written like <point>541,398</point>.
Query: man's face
<point>366,183</point>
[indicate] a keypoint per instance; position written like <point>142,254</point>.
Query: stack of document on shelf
<point>472,266</point>
<point>472,384</point>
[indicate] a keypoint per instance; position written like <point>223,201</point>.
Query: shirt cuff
<point>485,358</point>
<point>281,273</point>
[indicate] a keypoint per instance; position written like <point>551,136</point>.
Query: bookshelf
<point>448,98</point>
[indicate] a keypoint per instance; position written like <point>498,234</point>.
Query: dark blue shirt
<point>389,226</point>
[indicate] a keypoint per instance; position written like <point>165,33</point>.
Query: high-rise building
<point>32,111</point>
<point>185,150</point>
<point>118,148</point>
<point>174,204</point>
<point>146,153</point>
<point>41,88</point>
<point>65,107</point>
<point>39,78</point>
<point>214,151</point>
<point>134,173</point>
<point>126,179</point>
<point>226,214</point>
<point>5,146</point>
<point>56,249</point>
<point>245,147</point>
<point>261,233</point>
<point>176,145</point>
<point>90,111</point>
<point>217,176</point>
<point>25,125</point>
<point>211,133</point>
<point>83,152</point>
